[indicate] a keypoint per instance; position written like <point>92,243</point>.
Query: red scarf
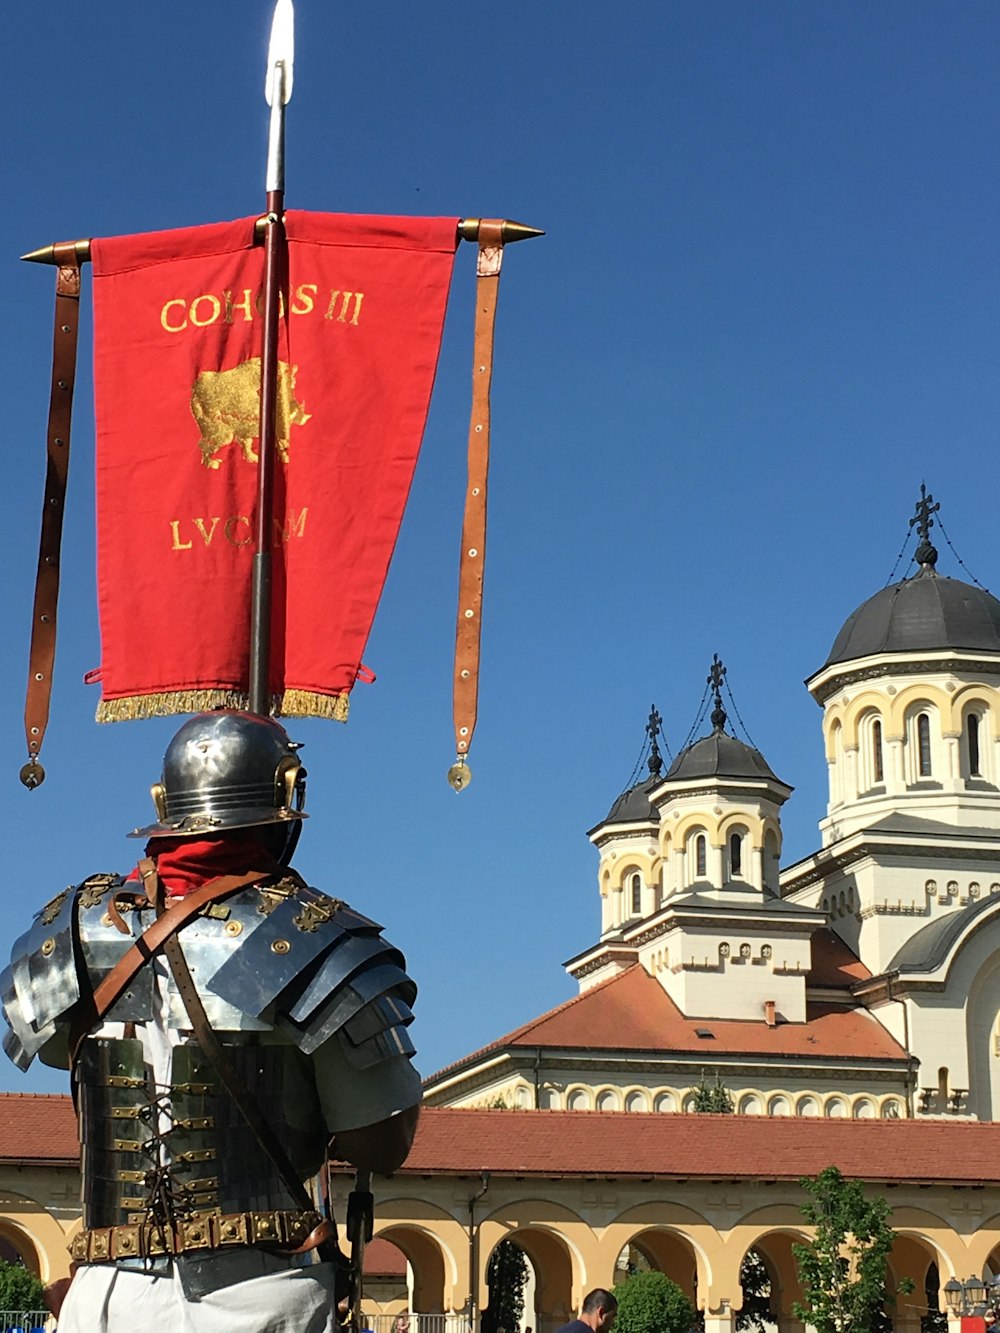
<point>185,864</point>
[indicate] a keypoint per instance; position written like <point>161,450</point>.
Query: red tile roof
<point>42,1129</point>
<point>628,1143</point>
<point>38,1127</point>
<point>833,962</point>
<point>383,1259</point>
<point>632,1012</point>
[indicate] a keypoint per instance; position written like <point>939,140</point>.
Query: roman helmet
<point>227,770</point>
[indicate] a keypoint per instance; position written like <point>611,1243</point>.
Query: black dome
<point>719,756</point>
<point>633,806</point>
<point>925,612</point>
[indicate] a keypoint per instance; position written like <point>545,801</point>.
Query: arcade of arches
<point>716,1189</point>
<point>576,1233</point>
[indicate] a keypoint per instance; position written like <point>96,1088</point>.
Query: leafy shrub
<point>652,1303</point>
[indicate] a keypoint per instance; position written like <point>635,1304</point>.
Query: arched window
<point>636,895</point>
<point>735,855</point>
<point>923,745</point>
<point>700,856</point>
<point>878,772</point>
<point>972,740</point>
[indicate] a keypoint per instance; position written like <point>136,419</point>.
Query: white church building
<point>861,982</point>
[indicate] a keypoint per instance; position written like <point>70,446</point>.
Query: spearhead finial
<point>926,554</point>
<point>278,89</point>
<point>716,675</point>
<point>281,51</point>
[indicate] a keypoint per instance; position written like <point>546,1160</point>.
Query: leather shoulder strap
<point>148,944</point>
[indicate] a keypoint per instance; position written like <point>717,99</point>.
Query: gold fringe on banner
<point>304,703</point>
<point>292,703</point>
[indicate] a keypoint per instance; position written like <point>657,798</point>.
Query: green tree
<point>713,1098</point>
<point>843,1271</point>
<point>652,1303</point>
<point>935,1320</point>
<point>755,1315</point>
<point>506,1275</point>
<point>20,1290</point>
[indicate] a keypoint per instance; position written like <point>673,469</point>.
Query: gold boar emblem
<point>226,406</point>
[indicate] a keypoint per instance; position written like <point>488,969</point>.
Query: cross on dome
<point>926,554</point>
<point>654,729</point>
<point>716,675</point>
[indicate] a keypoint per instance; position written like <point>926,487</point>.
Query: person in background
<point>598,1314</point>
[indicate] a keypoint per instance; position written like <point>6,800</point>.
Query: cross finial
<point>653,731</point>
<point>925,555</point>
<point>716,675</point>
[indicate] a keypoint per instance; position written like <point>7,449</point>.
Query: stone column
<point>952,758</point>
<point>716,867</point>
<point>895,767</point>
<point>757,868</point>
<point>720,1320</point>
<point>851,779</point>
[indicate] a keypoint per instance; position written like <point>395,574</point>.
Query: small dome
<point>927,611</point>
<point>719,756</point>
<point>633,806</point>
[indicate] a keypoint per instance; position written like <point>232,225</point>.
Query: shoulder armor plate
<point>320,965</point>
<point>41,984</point>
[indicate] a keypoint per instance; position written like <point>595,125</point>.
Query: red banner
<point>177,345</point>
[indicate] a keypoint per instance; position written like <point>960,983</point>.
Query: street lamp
<point>965,1298</point>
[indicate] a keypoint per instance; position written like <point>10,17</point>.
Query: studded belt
<point>289,1231</point>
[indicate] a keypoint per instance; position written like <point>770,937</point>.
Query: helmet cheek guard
<point>289,786</point>
<point>225,770</point>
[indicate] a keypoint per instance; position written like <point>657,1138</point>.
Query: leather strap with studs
<point>42,653</point>
<point>471,563</point>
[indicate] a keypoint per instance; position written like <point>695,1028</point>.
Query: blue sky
<point>765,309</point>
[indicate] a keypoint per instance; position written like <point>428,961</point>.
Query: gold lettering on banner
<point>173,328</point>
<point>230,528</point>
<point>258,302</point>
<point>302,294</point>
<point>344,299</point>
<point>181,313</point>
<point>206,533</point>
<point>244,304</point>
<point>237,530</point>
<point>178,545</point>
<point>293,527</point>
<point>194,312</point>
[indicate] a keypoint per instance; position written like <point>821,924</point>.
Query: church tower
<point>909,870</point>
<point>689,882</point>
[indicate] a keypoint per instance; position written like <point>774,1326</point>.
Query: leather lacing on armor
<point>165,1202</point>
